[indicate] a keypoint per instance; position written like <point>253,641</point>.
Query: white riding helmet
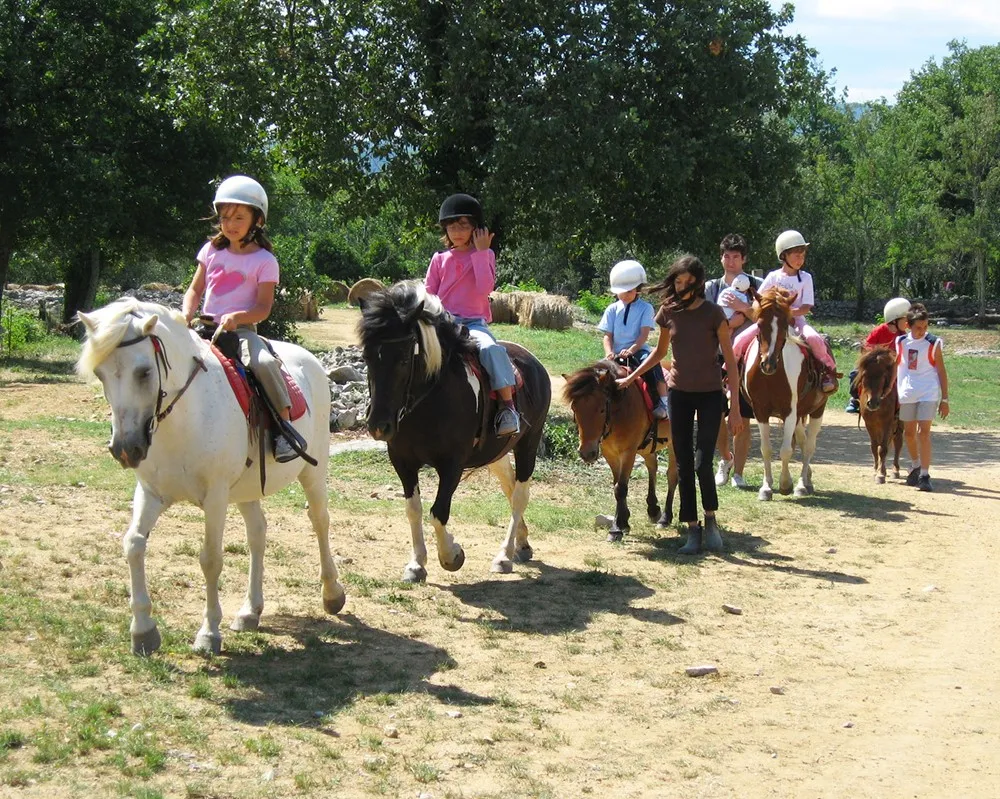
<point>243,190</point>
<point>787,240</point>
<point>895,308</point>
<point>741,283</point>
<point>626,275</point>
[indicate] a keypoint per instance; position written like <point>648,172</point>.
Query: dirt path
<point>863,663</point>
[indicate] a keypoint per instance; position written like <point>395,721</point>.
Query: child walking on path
<point>462,277</point>
<point>696,330</point>
<point>791,249</point>
<point>922,383</point>
<point>894,325</point>
<point>236,275</point>
<point>626,325</point>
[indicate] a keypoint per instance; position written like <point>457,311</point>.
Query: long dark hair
<point>673,301</point>
<point>256,233</point>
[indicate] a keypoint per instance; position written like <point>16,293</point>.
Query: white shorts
<point>918,411</point>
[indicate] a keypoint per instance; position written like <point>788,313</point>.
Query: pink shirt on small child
<point>231,279</point>
<point>463,281</point>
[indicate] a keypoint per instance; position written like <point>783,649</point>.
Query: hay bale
<point>502,308</point>
<point>336,291</point>
<point>548,311</point>
<point>361,289</point>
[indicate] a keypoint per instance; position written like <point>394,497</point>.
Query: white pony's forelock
<point>112,323</point>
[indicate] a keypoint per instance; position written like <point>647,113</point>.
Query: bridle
<point>162,370</point>
<point>409,402</point>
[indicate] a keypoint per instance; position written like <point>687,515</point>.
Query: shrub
<point>20,328</point>
<point>594,303</point>
<point>561,439</point>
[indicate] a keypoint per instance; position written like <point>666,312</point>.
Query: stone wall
<point>939,308</point>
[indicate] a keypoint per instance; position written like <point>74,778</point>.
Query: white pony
<point>176,421</point>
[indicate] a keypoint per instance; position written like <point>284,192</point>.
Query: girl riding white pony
<point>177,422</point>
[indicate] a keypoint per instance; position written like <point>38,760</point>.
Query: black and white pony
<point>428,406</point>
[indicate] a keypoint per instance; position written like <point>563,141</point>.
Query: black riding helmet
<point>459,205</point>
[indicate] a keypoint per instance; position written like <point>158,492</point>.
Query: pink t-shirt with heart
<point>231,279</point>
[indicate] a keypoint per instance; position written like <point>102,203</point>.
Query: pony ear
<point>87,322</point>
<point>413,315</point>
<point>149,324</point>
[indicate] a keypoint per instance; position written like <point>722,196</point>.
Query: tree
<point>88,161</point>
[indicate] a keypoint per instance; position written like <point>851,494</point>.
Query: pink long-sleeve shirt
<point>463,281</point>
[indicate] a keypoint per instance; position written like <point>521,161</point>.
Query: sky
<point>875,45</point>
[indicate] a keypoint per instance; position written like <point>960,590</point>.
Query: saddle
<point>260,414</point>
<point>489,397</point>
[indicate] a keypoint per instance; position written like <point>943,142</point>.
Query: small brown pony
<point>615,422</point>
<point>876,384</point>
<point>779,383</point>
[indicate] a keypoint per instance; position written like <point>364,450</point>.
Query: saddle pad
<point>241,388</point>
<point>477,370</point>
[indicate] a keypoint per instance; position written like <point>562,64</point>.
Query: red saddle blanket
<point>477,370</point>
<point>241,388</point>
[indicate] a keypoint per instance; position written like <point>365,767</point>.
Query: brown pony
<point>779,384</point>
<point>876,384</point>
<point>615,422</point>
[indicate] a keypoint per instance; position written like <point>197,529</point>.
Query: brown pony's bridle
<point>162,369</point>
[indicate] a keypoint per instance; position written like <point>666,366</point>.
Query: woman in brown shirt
<point>697,329</point>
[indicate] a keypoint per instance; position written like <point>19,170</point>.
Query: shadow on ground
<point>742,549</point>
<point>333,662</point>
<point>558,600</point>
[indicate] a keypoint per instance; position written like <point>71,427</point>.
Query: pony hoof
<point>245,623</point>
<point>524,554</point>
<point>764,495</point>
<point>208,644</point>
<point>880,478</point>
<point>785,490</point>
<point>335,605</point>
<point>803,491</point>
<point>456,564</point>
<point>665,520</point>
<point>417,574</point>
<point>615,536</point>
<point>654,513</point>
<point>145,644</point>
<point>502,566</point>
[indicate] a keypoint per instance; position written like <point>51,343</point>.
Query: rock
<point>454,714</point>
<point>778,689</point>
<point>848,725</point>
<point>736,611</point>
<point>701,671</point>
<point>603,522</point>
<point>345,374</point>
<point>267,776</point>
<point>390,732</point>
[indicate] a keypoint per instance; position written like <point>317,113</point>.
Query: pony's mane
<point>876,357</point>
<point>112,323</point>
<point>406,308</point>
<point>777,298</point>
<point>587,381</point>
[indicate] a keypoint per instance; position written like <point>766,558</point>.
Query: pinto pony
<point>879,400</point>
<point>176,421</point>
<point>428,405</point>
<point>615,422</point>
<point>778,384</point>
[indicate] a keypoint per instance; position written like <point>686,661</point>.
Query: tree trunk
<point>81,283</point>
<point>5,253</point>
<point>859,287</point>
<point>980,261</point>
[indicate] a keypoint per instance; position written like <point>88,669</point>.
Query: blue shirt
<point>625,331</point>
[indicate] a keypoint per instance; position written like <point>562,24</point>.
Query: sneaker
<point>913,476</point>
<point>660,410</point>
<point>738,481</point>
<point>283,451</point>
<point>924,483</point>
<point>508,422</point>
<point>853,406</point>
<point>722,473</point>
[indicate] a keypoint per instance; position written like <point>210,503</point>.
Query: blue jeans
<point>493,357</point>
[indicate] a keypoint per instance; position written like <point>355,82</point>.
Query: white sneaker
<point>722,473</point>
<point>738,481</point>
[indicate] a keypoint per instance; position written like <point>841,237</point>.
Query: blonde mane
<point>107,326</point>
